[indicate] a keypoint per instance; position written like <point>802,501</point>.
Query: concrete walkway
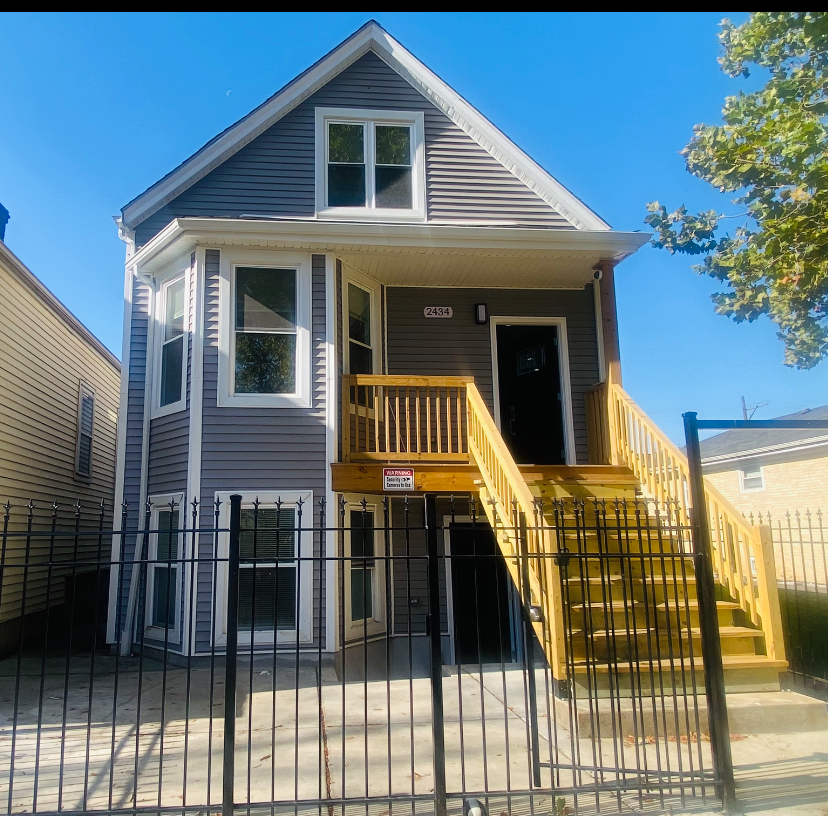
<point>304,735</point>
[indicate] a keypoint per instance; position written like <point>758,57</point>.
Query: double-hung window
<point>171,343</point>
<point>370,164</point>
<point>164,568</point>
<point>752,479</point>
<point>360,331</point>
<point>265,340</point>
<point>86,430</point>
<point>276,570</point>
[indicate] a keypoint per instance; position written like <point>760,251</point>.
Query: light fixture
<point>481,314</point>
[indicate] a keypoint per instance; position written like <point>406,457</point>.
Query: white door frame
<point>563,367</point>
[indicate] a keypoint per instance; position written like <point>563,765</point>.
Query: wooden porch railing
<point>406,419</point>
<point>742,561</point>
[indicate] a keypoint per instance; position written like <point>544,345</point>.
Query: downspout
<point>132,601</point>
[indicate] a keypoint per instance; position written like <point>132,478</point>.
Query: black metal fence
<point>380,653</point>
<point>800,545</point>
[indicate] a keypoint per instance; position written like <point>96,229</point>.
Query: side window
<point>172,343</point>
<point>265,331</point>
<point>360,332</point>
<point>752,479</point>
<point>86,430</point>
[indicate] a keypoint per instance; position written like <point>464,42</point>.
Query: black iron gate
<point>331,674</point>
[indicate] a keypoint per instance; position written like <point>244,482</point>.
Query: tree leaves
<point>772,151</point>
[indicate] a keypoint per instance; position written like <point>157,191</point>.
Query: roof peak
<point>371,36</point>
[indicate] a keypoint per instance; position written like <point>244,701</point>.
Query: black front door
<point>530,393</point>
<point>481,596</point>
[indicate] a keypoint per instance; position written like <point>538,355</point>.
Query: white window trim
<point>378,622</point>
<point>84,390</point>
<point>751,489</point>
<point>563,367</point>
<point>363,115</point>
<point>350,275</point>
<point>173,633</point>
<point>301,398</point>
<point>304,590</point>
<point>175,273</point>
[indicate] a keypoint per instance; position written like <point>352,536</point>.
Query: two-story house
<point>363,288</point>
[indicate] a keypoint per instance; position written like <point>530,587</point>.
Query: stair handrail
<point>742,560</point>
<point>509,496</point>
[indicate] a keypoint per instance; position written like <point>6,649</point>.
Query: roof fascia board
<point>369,37</point>
<point>337,235</point>
<point>785,447</point>
<point>39,288</point>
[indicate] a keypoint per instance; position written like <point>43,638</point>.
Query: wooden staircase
<point>619,609</point>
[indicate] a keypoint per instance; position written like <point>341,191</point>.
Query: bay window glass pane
<point>268,534</point>
<point>393,144</point>
<point>174,310</point>
<point>362,593</point>
<point>265,363</point>
<point>163,596</point>
<point>265,299</point>
<point>360,361</point>
<point>362,565</point>
<point>346,143</point>
<point>359,314</point>
<point>269,595</point>
<point>167,548</point>
<point>393,187</point>
<point>172,361</point>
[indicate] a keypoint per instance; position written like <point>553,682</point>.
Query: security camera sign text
<point>398,478</point>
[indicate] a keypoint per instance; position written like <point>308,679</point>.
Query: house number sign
<point>438,311</point>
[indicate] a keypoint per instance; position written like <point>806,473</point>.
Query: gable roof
<point>741,444</point>
<point>371,37</point>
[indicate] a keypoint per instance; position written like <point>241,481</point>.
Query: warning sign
<point>398,478</point>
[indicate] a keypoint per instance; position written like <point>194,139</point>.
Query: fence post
<point>229,769</point>
<point>529,649</point>
<point>433,623</point>
<point>711,644</point>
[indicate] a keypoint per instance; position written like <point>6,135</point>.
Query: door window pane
<point>265,331</point>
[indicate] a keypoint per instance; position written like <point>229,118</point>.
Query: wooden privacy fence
<point>620,433</point>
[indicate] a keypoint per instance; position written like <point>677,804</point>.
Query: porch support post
<point>433,624</point>
<point>711,645</point>
<point>609,322</point>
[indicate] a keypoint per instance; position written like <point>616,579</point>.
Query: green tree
<point>771,151</point>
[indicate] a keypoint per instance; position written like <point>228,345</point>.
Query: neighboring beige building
<point>781,477</point>
<point>59,392</point>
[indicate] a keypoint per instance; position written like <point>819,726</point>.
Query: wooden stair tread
<point>737,661</point>
<point>693,603</point>
<point>621,634</point>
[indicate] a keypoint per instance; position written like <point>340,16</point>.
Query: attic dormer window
<point>370,164</point>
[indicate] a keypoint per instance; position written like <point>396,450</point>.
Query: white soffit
<point>371,37</point>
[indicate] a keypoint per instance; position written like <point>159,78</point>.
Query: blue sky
<point>95,108</point>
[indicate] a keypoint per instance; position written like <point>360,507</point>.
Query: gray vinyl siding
<point>250,449</point>
<point>274,174</point>
<point>457,346</point>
